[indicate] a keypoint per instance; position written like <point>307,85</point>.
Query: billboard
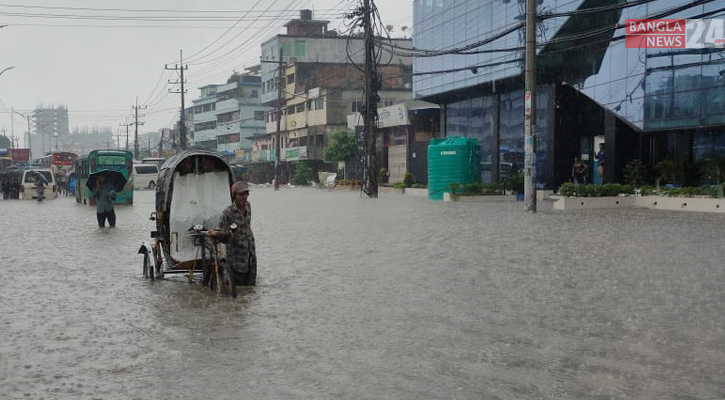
<point>20,155</point>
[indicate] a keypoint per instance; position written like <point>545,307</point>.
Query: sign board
<point>313,93</point>
<point>396,115</point>
<point>20,155</point>
<point>527,103</point>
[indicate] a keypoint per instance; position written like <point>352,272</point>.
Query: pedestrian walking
<point>104,194</point>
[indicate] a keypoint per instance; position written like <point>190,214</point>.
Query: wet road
<point>395,298</point>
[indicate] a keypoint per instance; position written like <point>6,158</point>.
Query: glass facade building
<point>646,104</point>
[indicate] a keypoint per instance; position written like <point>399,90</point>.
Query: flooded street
<point>394,298</point>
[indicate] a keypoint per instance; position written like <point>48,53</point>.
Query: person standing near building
<point>241,250</point>
<point>600,162</point>
<point>104,195</point>
<point>579,172</point>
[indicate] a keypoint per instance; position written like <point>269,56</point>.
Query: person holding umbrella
<point>105,194</point>
<point>39,186</point>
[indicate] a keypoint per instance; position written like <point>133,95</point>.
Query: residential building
<point>320,86</point>
<point>225,115</point>
<point>648,104</point>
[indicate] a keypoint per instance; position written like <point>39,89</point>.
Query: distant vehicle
<point>145,176</point>
<point>27,190</point>
<point>60,162</point>
<point>115,160</point>
<point>153,160</point>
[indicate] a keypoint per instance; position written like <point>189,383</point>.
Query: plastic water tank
<point>452,159</point>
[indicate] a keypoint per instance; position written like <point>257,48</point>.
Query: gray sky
<point>95,57</point>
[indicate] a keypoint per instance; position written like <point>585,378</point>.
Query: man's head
<point>240,190</point>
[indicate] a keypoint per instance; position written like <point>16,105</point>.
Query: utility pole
<point>371,109</point>
<point>280,104</point>
<point>182,122</point>
<point>12,123</point>
<point>530,110</point>
<point>126,124</point>
<point>136,124</point>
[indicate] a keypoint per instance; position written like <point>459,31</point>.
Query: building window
<point>290,79</point>
<point>319,104</point>
<point>259,115</point>
<point>357,106</point>
<point>300,107</point>
<point>286,49</point>
<point>255,93</point>
<point>300,48</point>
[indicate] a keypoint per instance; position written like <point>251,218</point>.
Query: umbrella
<point>116,178</point>
<point>38,174</point>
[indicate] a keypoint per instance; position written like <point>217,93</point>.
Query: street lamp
<point>6,69</point>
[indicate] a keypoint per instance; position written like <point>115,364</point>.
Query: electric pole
<point>182,122</point>
<point>136,124</point>
<point>370,115</point>
<point>126,124</point>
<point>280,104</point>
<point>530,110</point>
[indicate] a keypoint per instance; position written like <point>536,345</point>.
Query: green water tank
<point>452,159</point>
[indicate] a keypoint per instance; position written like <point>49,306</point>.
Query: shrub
<point>608,189</point>
<point>453,186</point>
<point>473,188</point>
<point>408,179</point>
<point>636,173</point>
<point>399,185</point>
<point>303,174</point>
<point>514,182</point>
<point>384,175</point>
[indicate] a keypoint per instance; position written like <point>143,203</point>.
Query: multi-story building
<point>320,86</point>
<point>649,104</point>
<point>226,115</point>
<point>51,126</point>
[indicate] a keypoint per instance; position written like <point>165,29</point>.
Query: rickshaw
<point>193,188</point>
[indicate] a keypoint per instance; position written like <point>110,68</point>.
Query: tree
<point>5,142</point>
<point>341,148</point>
<point>303,174</point>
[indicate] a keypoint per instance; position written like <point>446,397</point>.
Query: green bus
<point>116,160</point>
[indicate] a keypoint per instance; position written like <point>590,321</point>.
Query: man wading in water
<point>241,251</point>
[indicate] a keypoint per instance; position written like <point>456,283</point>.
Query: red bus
<point>60,162</point>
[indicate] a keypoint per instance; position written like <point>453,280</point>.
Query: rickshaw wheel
<point>148,270</point>
<point>229,286</point>
<point>159,265</point>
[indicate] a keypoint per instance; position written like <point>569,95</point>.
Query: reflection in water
<point>394,298</point>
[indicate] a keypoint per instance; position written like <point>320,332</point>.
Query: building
<point>50,126</point>
<point>225,115</point>
<point>648,104</point>
<point>404,130</point>
<point>320,86</point>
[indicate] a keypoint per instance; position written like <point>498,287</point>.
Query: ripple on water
<point>397,297</point>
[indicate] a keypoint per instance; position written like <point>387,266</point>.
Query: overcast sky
<point>96,57</point>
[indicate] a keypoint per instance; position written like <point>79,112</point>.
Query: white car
<point>145,176</point>
<point>27,191</point>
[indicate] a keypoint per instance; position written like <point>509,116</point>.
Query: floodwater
<point>394,298</point>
